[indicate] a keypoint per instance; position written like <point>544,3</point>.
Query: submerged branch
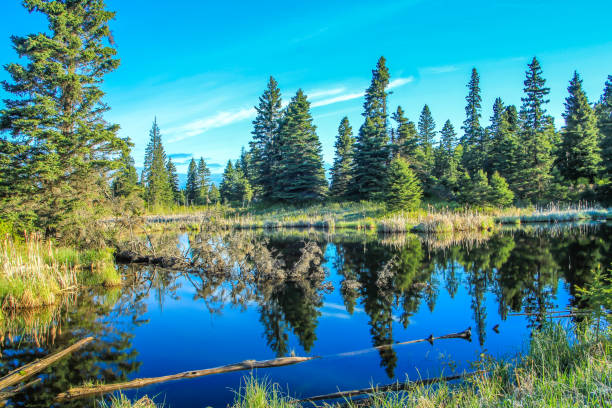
<point>85,391</point>
<point>390,387</point>
<point>23,372</point>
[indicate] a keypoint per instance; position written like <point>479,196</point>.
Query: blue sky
<point>199,66</point>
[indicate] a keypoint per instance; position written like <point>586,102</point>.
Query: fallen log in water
<point>390,387</point>
<point>85,391</point>
<point>28,370</point>
<point>465,335</point>
<point>11,392</point>
<point>128,257</point>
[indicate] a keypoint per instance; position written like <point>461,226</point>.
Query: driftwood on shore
<point>85,391</point>
<point>390,387</point>
<point>20,374</point>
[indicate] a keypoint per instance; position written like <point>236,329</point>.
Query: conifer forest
<point>336,249</point>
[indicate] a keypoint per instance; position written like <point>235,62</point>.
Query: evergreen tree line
<point>159,182</point>
<point>518,158</point>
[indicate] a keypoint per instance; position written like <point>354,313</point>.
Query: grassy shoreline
<point>34,273</point>
<point>561,368</point>
<point>373,216</point>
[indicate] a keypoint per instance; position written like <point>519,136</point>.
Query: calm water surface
<point>357,291</point>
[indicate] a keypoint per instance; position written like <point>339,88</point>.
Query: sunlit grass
<point>562,368</point>
<point>121,401</point>
<point>33,273</point>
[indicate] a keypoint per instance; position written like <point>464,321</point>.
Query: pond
<point>337,295</point>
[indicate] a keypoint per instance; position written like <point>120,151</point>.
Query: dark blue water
<point>356,292</point>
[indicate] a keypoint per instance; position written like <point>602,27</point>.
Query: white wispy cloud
<point>397,82</point>
<point>336,99</point>
<point>200,126</point>
<point>440,70</point>
<point>319,93</point>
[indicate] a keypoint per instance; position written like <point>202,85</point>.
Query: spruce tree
<point>192,187</point>
<point>371,148</point>
<point>500,194</point>
<point>214,194</point>
<point>579,154</point>
<point>604,122</point>
<point>125,180</point>
<point>403,189</point>
<point>61,151</point>
<point>203,179</point>
<point>446,165</point>
<point>424,160</point>
<point>299,173</point>
<point>405,143</point>
<point>264,146</point>
<point>235,188</point>
<point>158,190</point>
<point>174,182</point>
<point>537,135</point>
<point>474,139</point>
<point>341,172</point>
<point>226,189</point>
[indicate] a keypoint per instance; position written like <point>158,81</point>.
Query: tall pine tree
<point>192,188</point>
<point>536,137</point>
<point>474,140</point>
<point>425,160</point>
<point>177,196</point>
<point>403,190</point>
<point>405,143</point>
<point>60,152</point>
<point>299,173</point>
<point>579,154</point>
<point>203,182</point>
<point>446,166</point>
<point>341,173</point>
<point>125,180</point>
<point>158,190</point>
<point>371,148</point>
<point>264,146</point>
<point>604,122</point>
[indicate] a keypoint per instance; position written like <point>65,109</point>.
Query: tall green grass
<point>562,368</point>
<point>33,272</point>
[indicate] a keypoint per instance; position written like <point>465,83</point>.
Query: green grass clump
<point>562,368</point>
<point>33,273</point>
<point>121,401</point>
<point>261,394</point>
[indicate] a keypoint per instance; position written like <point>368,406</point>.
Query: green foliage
<point>371,149</point>
<point>264,146</point>
<point>155,177</point>
<point>56,162</point>
<point>403,190</point>
<point>536,138</point>
<point>579,154</point>
<point>235,188</point>
<point>203,182</point>
<point>299,173</point>
<point>192,188</point>
<point>213,194</point>
<point>474,141</point>
<point>500,194</point>
<point>447,160</point>
<point>479,191</point>
<point>424,156</point>
<point>604,121</point>
<point>125,180</point>
<point>341,171</point>
<point>405,140</point>
<point>177,195</point>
